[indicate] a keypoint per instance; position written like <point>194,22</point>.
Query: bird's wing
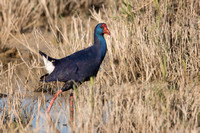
<point>64,71</point>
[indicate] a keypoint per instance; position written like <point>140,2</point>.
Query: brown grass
<point>148,82</point>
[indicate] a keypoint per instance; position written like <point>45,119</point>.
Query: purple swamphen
<point>77,67</point>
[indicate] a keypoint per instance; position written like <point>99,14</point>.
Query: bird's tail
<point>46,56</point>
<point>43,54</point>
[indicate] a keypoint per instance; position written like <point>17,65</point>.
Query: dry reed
<point>148,82</point>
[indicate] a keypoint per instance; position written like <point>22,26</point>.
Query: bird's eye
<point>101,27</point>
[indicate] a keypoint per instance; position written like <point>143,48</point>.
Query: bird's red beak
<point>106,31</point>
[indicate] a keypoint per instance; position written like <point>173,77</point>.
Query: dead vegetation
<point>149,81</point>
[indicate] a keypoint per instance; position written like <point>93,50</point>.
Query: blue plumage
<point>81,65</point>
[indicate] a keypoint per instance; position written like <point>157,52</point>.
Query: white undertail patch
<point>48,65</point>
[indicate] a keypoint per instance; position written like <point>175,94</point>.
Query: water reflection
<point>33,105</point>
<point>60,119</point>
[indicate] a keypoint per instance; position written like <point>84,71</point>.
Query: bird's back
<point>78,66</point>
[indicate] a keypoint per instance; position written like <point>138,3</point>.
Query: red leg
<point>71,100</point>
<point>52,100</point>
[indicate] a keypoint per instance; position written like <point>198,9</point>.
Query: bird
<point>77,67</point>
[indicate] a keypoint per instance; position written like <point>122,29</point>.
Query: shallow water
<point>31,104</point>
<point>34,104</point>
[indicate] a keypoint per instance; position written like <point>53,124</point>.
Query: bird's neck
<point>100,43</point>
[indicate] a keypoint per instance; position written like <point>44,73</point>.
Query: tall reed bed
<point>148,82</point>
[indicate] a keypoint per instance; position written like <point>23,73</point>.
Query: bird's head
<point>102,29</point>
